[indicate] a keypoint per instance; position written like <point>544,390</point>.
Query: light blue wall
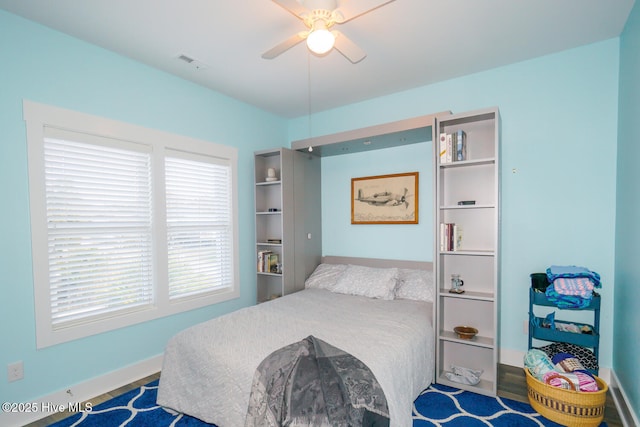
<point>49,67</point>
<point>627,270</point>
<point>406,241</point>
<point>559,132</point>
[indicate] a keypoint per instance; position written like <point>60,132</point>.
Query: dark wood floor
<point>512,384</point>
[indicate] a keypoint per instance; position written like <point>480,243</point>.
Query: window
<point>128,224</point>
<point>99,227</point>
<point>198,226</point>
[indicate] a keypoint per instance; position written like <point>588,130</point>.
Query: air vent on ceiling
<point>194,63</point>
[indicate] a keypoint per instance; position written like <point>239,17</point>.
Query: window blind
<point>129,224</point>
<point>199,224</point>
<point>99,218</point>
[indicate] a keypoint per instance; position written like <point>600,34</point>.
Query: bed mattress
<point>208,369</point>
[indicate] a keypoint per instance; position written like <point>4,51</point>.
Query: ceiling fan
<point>320,16</point>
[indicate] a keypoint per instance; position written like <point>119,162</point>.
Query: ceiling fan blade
<point>294,7</point>
<point>349,49</point>
<point>355,8</point>
<point>285,45</point>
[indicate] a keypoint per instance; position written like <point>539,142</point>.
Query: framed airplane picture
<point>385,199</point>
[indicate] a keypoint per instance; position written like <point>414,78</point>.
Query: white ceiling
<point>409,43</point>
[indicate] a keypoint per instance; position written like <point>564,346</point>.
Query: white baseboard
<point>512,357</point>
<point>77,393</point>
<point>627,416</point>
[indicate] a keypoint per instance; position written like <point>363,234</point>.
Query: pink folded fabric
<point>578,286</point>
<point>580,380</point>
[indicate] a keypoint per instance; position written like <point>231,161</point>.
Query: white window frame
<point>37,116</point>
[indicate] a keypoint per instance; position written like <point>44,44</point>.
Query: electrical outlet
<point>525,327</point>
<point>15,371</point>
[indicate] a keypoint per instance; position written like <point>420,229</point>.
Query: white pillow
<point>415,284</point>
<point>367,281</point>
<point>325,276</point>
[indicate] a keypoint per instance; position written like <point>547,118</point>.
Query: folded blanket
<point>571,271</point>
<point>580,286</point>
<point>566,301</point>
<point>311,383</point>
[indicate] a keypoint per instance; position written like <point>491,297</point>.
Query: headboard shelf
<point>393,134</point>
<point>378,263</point>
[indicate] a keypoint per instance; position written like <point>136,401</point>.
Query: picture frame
<point>385,199</point>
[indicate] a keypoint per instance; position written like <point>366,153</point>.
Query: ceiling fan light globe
<point>320,41</point>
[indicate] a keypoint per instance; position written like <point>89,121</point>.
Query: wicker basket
<point>567,407</point>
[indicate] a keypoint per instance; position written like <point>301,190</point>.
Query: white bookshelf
<point>476,178</point>
<point>287,219</point>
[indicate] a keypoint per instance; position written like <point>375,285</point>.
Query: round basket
<point>567,407</point>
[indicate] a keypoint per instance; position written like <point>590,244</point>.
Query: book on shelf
<point>453,147</point>
<point>461,145</point>
<point>450,237</point>
<point>456,237</point>
<point>261,260</point>
<point>272,264</point>
<point>267,262</point>
<point>443,148</point>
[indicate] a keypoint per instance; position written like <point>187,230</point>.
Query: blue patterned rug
<point>437,406</point>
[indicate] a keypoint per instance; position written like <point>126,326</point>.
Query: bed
<point>381,312</point>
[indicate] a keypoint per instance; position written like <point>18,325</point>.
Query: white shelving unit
<point>287,219</point>
<point>476,178</point>
<point>270,224</point>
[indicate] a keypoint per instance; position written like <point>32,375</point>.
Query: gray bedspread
<point>208,368</point>
<point>312,383</point>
